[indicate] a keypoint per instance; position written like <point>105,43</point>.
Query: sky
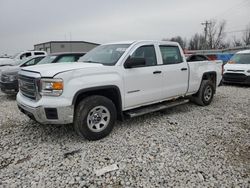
<point>24,23</point>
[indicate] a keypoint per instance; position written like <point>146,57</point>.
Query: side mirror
<point>134,62</point>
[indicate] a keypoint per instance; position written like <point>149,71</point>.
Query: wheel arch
<point>211,75</point>
<point>112,92</point>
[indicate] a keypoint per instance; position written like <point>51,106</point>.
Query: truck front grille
<point>4,78</point>
<point>28,86</point>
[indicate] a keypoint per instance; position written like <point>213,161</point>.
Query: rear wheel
<point>95,117</point>
<point>205,94</point>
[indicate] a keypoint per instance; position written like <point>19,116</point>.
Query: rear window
<point>39,53</point>
<point>241,59</point>
<point>25,55</point>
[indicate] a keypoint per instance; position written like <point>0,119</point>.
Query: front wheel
<point>94,117</point>
<point>205,94</point>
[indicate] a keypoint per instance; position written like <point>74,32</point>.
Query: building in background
<point>65,46</point>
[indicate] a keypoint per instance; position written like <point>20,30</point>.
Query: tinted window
<point>170,54</point>
<point>38,59</point>
<point>241,59</point>
<point>28,54</point>
<point>68,58</point>
<point>29,63</point>
<point>39,53</point>
<point>146,52</point>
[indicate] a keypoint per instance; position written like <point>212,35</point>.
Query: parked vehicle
<point>197,57</point>
<point>62,57</point>
<point>10,87</point>
<point>237,70</point>
<point>19,56</point>
<point>9,74</point>
<point>114,81</point>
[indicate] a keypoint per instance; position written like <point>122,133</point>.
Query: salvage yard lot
<point>185,146</point>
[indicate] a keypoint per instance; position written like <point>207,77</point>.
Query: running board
<point>155,107</point>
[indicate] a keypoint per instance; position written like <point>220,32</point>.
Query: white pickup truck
<point>114,81</point>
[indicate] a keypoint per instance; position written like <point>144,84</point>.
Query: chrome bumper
<point>65,114</point>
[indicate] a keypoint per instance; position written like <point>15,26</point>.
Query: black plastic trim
<point>51,113</point>
<point>82,91</point>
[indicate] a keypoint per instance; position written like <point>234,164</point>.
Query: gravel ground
<point>187,146</point>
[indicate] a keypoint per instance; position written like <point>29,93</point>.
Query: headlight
<point>52,87</point>
<point>8,78</point>
<point>248,71</point>
<point>12,78</point>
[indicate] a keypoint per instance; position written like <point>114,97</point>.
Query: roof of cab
<point>141,41</point>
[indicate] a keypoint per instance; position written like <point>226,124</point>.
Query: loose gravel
<point>186,146</point>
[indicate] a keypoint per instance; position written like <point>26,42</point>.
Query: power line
<point>236,31</point>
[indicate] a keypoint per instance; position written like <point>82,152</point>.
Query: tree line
<point>213,37</point>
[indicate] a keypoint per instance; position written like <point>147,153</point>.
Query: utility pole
<point>206,23</point>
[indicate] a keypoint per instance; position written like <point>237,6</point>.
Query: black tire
<point>82,118</point>
<point>201,97</point>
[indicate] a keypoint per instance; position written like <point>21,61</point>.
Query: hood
<point>10,69</point>
<point>237,67</point>
<point>6,61</point>
<point>50,70</point>
<point>6,67</point>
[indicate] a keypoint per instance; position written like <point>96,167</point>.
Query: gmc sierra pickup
<point>114,81</point>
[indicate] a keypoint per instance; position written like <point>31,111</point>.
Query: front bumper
<point>48,114</point>
<point>236,78</point>
<point>9,87</point>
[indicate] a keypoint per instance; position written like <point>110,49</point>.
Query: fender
<point>206,76</point>
<point>117,100</point>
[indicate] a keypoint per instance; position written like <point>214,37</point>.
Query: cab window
<point>29,63</point>
<point>146,52</point>
<point>33,61</point>
<point>25,55</point>
<point>39,53</point>
<point>170,55</point>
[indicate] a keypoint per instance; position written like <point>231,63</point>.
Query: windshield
<point>105,54</point>
<point>47,59</point>
<point>20,62</point>
<point>14,56</point>
<point>241,59</point>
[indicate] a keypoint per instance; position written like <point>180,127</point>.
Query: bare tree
<point>215,35</point>
<point>246,36</point>
<point>236,42</point>
<point>180,40</point>
<point>197,42</point>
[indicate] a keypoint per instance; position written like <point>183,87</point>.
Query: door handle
<point>184,69</point>
<point>157,72</point>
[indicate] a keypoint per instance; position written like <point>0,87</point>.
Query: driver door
<point>142,84</point>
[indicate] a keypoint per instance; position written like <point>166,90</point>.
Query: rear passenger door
<point>174,72</point>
